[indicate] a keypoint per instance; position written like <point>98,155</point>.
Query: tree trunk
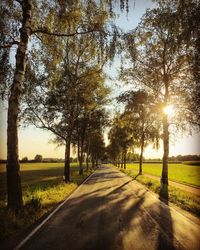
<point>81,162</point>
<point>87,161</point>
<point>87,156</point>
<point>67,162</point>
<point>81,145</point>
<point>93,162</point>
<point>121,164</point>
<point>80,158</point>
<point>125,152</point>
<point>164,178</point>
<point>141,153</point>
<point>14,191</point>
<point>96,162</point>
<point>118,161</point>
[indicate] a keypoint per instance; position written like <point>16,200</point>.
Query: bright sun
<point>168,110</point>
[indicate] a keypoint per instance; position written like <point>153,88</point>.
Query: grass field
<point>33,174</point>
<point>43,187</point>
<point>184,173</point>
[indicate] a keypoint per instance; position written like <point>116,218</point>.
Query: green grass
<point>183,199</point>
<point>180,172</point>
<point>36,166</point>
<point>34,173</point>
<point>42,187</point>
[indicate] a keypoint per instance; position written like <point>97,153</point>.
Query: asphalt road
<point>112,211</point>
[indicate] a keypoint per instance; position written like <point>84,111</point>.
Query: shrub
<point>38,158</point>
<point>34,203</point>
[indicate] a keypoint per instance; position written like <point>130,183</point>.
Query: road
<point>110,211</point>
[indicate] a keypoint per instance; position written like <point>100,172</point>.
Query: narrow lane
<point>112,211</point>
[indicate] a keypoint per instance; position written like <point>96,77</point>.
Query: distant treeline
<point>26,160</point>
<point>172,159</point>
<point>133,157</point>
<point>185,158</point>
<point>33,160</point>
<point>178,158</point>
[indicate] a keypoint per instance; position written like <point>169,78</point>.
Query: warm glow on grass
<point>169,110</point>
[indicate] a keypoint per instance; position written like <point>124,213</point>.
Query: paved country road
<point>112,211</point>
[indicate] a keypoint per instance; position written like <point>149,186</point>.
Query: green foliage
<point>141,112</point>
<point>121,139</point>
<point>38,158</point>
<point>34,203</point>
<point>34,21</point>
<point>24,159</point>
<point>73,94</point>
<point>161,63</point>
<point>96,145</point>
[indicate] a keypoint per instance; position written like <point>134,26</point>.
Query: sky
<point>34,141</point>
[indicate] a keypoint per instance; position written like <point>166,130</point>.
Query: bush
<point>34,203</point>
<point>24,159</point>
<point>38,158</point>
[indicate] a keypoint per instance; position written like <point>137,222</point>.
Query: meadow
<point>187,173</point>
<point>183,173</point>
<point>43,188</point>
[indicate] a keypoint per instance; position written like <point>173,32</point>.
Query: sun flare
<point>169,110</point>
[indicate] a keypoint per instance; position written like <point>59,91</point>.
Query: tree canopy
<point>39,30</point>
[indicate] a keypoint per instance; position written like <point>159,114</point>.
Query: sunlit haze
<point>169,110</point>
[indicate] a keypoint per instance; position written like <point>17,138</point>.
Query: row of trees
<point>73,108</point>
<point>59,46</point>
<point>162,52</point>
<point>138,126</point>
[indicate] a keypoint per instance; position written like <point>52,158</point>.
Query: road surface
<point>110,211</point>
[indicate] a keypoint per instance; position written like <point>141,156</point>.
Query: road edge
<point>38,227</point>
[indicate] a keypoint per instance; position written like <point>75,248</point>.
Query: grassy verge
<point>183,199</point>
<point>43,188</point>
<point>180,172</point>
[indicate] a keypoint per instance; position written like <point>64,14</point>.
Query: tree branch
<point>45,31</point>
<point>38,37</point>
<point>45,126</point>
<point>8,45</point>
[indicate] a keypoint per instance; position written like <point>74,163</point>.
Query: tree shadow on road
<point>108,217</point>
<point>91,222</point>
<point>166,240</point>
